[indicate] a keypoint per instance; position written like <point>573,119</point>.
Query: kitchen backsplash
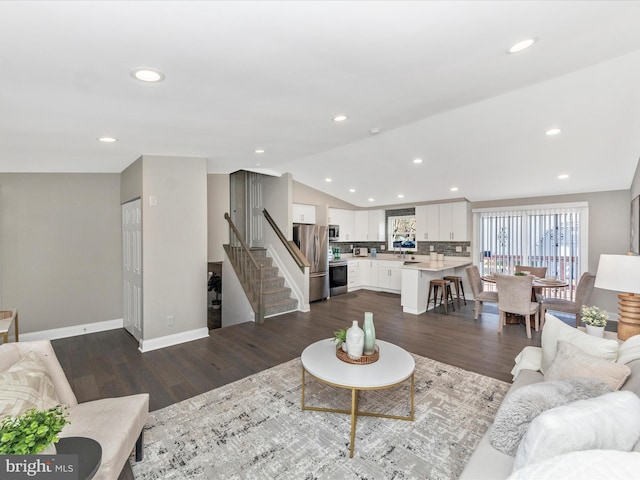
<point>448,248</point>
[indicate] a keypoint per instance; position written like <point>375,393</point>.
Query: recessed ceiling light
<point>107,139</point>
<point>352,190</point>
<point>523,45</point>
<point>374,131</point>
<point>258,164</point>
<point>553,131</point>
<point>400,195</point>
<point>259,150</point>
<point>340,118</point>
<point>563,176</point>
<point>454,189</point>
<point>147,75</point>
<point>417,160</point>
<point>371,199</point>
<point>327,180</point>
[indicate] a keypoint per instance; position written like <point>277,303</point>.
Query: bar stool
<point>445,285</point>
<point>457,281</point>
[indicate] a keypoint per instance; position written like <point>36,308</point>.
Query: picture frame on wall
<point>635,224</point>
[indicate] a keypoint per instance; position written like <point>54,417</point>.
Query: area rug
<point>255,429</point>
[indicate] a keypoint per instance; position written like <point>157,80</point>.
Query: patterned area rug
<point>255,429</point>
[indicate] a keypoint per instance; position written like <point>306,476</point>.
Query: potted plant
<point>595,320</point>
<point>215,284</point>
<point>32,432</point>
<point>340,337</point>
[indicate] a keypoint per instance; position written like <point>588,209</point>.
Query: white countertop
<point>437,266</point>
<point>424,263</point>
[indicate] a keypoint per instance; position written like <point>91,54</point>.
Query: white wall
<point>218,203</point>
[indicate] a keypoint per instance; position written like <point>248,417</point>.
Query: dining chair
<point>479,294</point>
<point>514,296</point>
<point>583,292</point>
<point>539,272</point>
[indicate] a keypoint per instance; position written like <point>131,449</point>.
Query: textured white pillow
<point>26,385</point>
<point>587,464</point>
<point>555,329</point>
<point>609,422</point>
<point>530,358</point>
<point>571,362</point>
<point>629,350</point>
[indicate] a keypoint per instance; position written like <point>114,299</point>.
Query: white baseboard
<point>175,339</point>
<point>72,331</point>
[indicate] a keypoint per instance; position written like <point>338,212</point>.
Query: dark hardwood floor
<point>109,364</point>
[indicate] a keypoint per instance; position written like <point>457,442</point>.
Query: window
<point>402,233</point>
<point>552,236</point>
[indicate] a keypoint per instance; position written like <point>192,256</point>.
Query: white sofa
<point>115,423</point>
<point>487,463</point>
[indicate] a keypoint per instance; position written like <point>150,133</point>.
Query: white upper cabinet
<point>304,213</point>
<point>446,222</point>
<point>345,219</point>
<point>368,225</point>
<point>376,231</point>
<point>362,225</point>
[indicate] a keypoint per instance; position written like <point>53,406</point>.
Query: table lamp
<point>621,273</point>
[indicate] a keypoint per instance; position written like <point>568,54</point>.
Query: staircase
<point>277,297</point>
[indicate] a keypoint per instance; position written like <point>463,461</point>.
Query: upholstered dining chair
<point>583,292</point>
<point>539,272</point>
<point>479,294</point>
<point>514,296</point>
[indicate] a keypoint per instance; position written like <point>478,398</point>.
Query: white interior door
<point>132,267</point>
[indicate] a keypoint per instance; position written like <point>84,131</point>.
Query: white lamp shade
<point>620,273</point>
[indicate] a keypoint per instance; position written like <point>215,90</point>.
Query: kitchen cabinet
<point>366,273</point>
<point>369,225</point>
<point>444,222</point>
<point>345,219</point>
<point>428,222</point>
<point>390,276</point>
<point>353,275</point>
<point>304,213</point>
<point>454,221</point>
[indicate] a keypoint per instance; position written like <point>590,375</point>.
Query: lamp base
<point>628,315</point>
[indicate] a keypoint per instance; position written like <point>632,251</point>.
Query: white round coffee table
<point>394,367</point>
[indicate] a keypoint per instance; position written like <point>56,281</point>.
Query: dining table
<point>536,286</point>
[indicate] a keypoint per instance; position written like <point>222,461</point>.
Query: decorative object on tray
<point>595,320</point>
<point>340,337</point>
<point>355,341</point>
<point>35,431</point>
<point>369,334</point>
<point>363,360</point>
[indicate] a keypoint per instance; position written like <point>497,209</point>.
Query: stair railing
<point>291,247</point>
<point>249,271</point>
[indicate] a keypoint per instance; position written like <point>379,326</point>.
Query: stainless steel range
<point>338,277</point>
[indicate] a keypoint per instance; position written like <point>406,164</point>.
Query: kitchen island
<point>416,278</point>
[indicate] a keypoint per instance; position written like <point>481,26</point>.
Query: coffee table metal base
<point>355,398</point>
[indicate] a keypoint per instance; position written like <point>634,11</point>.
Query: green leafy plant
<point>594,316</point>
<point>340,337</point>
<point>520,274</point>
<point>31,432</point>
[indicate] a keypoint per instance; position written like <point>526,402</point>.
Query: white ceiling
<point>433,76</point>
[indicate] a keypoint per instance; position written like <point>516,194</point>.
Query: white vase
<point>355,341</point>
<point>344,347</point>
<point>595,331</point>
<point>369,334</point>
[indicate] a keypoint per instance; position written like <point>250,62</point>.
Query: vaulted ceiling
<point>433,80</point>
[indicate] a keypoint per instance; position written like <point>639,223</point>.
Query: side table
<point>7,319</point>
<point>89,454</point>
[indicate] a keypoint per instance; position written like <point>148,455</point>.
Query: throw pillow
<point>629,350</point>
<point>26,385</point>
<point>521,406</point>
<point>571,362</point>
<point>555,329</point>
<point>610,422</point>
<point>530,358</point>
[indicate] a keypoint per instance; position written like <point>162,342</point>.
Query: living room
<point>61,243</point>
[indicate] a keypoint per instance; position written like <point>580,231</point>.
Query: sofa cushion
<point>610,421</point>
<point>555,329</point>
<point>571,362</point>
<point>629,350</point>
<point>26,385</point>
<point>523,405</point>
<point>585,464</point>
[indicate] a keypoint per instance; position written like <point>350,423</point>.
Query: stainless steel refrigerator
<point>312,240</point>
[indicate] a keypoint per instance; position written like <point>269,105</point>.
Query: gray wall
<point>609,229</point>
<point>61,248</point>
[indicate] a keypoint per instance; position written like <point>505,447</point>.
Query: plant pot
<point>48,450</point>
<point>595,331</point>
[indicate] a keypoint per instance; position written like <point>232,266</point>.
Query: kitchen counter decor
<point>363,360</point>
